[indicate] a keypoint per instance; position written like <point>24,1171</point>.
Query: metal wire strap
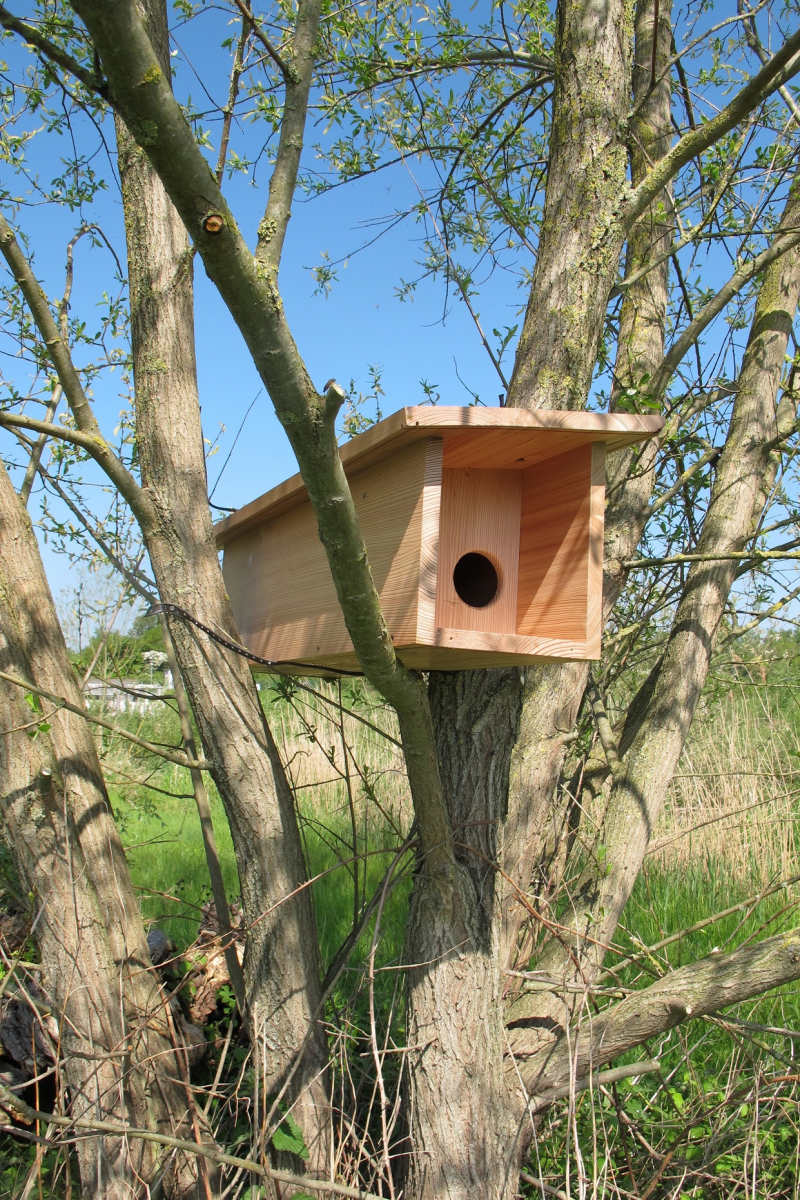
<point>175,610</point>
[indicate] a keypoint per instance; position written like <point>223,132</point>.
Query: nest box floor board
<point>484,531</point>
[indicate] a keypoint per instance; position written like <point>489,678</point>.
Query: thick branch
<point>780,68</point>
<point>783,242</point>
<point>713,983</point>
<point>45,323</point>
<point>92,439</point>
<point>660,715</point>
<point>143,97</point>
<point>98,448</point>
<point>298,75</point>
<point>284,67</point>
<point>50,50</point>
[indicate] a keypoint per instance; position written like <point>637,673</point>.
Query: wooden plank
<point>465,650</point>
<point>480,514</point>
<point>451,423</point>
<point>429,541</point>
<point>512,449</point>
<point>554,547</point>
<point>597,512</point>
<point>278,577</point>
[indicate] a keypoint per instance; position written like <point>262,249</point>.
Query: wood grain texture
<point>465,650</point>
<point>597,512</point>
<point>541,434</point>
<point>429,541</point>
<point>512,449</point>
<point>280,583</point>
<point>555,547</point>
<point>480,513</point>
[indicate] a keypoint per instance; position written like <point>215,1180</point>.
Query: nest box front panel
<point>479,550</point>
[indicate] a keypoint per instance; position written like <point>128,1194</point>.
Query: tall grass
<point>720,1117</point>
<point>713,1122</point>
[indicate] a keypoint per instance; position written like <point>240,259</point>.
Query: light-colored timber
<point>517,433</point>
<point>480,514</point>
<point>524,489</point>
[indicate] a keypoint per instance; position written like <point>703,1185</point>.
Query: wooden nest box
<point>484,530</point>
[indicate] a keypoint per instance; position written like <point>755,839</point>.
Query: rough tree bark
<point>528,807</point>
<point>661,714</point>
<point>114,1024</point>
<point>462,1123</point>
<point>282,968</point>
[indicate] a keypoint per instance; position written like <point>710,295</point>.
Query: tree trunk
<point>282,969</point>
<point>577,262</point>
<point>114,1025</point>
<point>580,239</point>
<point>461,1115</point>
<point>659,719</point>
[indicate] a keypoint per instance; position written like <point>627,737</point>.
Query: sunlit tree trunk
<point>114,1027</point>
<point>282,967</point>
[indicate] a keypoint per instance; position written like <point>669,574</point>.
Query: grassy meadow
<point>719,1119</point>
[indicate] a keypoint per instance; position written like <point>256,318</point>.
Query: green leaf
<point>289,1136</point>
<point>283,1141</point>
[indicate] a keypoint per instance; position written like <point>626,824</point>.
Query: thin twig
<point>23,1112</point>
<point>180,760</point>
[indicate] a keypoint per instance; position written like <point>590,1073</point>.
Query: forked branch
<point>780,68</point>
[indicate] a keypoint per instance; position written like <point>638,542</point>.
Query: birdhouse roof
<point>512,438</point>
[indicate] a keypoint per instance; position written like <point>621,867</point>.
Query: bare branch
<point>754,42</point>
<point>731,555</point>
<point>712,920</point>
<point>297,76</point>
<point>37,448</point>
<point>765,615</point>
<point>17,1108</point>
<point>703,987</point>
<point>253,22</point>
<point>31,34</point>
<point>69,379</point>
<point>646,1067</point>
<point>227,112</point>
<point>95,445</point>
<point>605,732</point>
<point>783,243</point>
<point>665,497</point>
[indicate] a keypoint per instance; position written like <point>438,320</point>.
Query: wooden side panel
<point>480,513</point>
<point>555,541</point>
<point>278,577</point>
<point>429,541</point>
<point>597,513</point>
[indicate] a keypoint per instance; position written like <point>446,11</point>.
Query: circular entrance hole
<point>475,580</point>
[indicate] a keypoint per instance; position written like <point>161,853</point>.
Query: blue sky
<point>360,324</point>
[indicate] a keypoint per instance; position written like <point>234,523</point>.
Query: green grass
<point>167,860</point>
<point>684,1108</point>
